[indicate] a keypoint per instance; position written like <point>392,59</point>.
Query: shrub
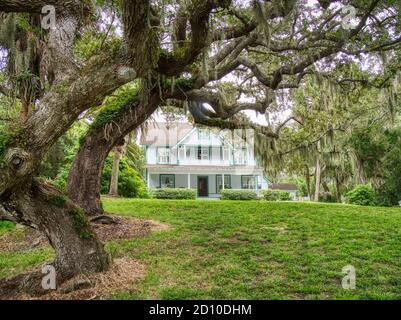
<point>270,195</point>
<point>284,196</point>
<point>178,194</point>
<point>362,195</point>
<point>276,195</point>
<point>130,182</point>
<point>327,197</point>
<point>238,194</point>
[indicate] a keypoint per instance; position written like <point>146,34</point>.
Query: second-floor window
<point>226,153</point>
<point>163,155</point>
<point>240,156</point>
<point>203,134</point>
<point>203,153</point>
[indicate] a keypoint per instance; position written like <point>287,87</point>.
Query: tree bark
<point>43,207</point>
<point>317,174</point>
<point>307,181</point>
<point>118,154</point>
<point>338,189</point>
<point>86,172</point>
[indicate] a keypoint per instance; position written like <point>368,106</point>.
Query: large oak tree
<point>232,55</point>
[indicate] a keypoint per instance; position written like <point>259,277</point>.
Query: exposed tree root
<point>107,228</point>
<point>93,286</point>
<point>119,278</point>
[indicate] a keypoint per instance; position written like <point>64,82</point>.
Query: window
<point>240,156</point>
<point>203,153</point>
<point>203,134</point>
<point>248,182</point>
<point>163,155</point>
<point>227,182</point>
<point>188,152</point>
<point>226,153</point>
<point>181,152</point>
<point>259,182</point>
<point>167,181</point>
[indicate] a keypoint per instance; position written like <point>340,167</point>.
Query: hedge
<point>238,194</point>
<point>178,194</point>
<point>276,195</point>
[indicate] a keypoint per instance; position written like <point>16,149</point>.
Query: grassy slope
<point>258,250</point>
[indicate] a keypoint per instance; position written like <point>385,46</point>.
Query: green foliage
<point>58,161</point>
<point>379,153</point>
<point>327,197</point>
<point>114,106</point>
<point>362,195</point>
<point>81,224</point>
<point>6,226</point>
<point>61,154</point>
<point>284,196</point>
<point>57,200</point>
<point>238,194</point>
<point>171,193</point>
<point>276,195</point>
<point>4,138</point>
<point>130,182</point>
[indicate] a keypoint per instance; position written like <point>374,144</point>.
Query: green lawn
<point>258,250</point>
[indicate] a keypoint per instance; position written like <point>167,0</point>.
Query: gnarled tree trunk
<point>78,250</point>
<point>86,172</point>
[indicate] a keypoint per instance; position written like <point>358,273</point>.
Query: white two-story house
<point>180,155</point>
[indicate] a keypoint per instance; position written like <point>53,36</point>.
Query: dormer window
<point>203,134</point>
<point>203,153</point>
<point>163,155</point>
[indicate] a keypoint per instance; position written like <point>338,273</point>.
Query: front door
<point>203,190</point>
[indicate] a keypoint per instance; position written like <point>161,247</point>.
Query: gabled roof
<point>283,186</point>
<point>171,134</point>
<point>165,134</point>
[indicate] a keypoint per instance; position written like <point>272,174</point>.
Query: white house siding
<point>180,165</point>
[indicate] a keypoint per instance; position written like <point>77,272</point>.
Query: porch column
<point>256,183</point>
<point>189,181</point>
<point>148,178</point>
<point>222,181</point>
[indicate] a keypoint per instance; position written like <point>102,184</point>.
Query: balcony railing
<point>197,162</point>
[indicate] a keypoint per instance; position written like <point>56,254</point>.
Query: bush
<point>362,195</point>
<point>284,196</point>
<point>276,195</point>
<point>270,195</point>
<point>130,182</point>
<point>327,197</point>
<point>238,194</point>
<point>178,194</point>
